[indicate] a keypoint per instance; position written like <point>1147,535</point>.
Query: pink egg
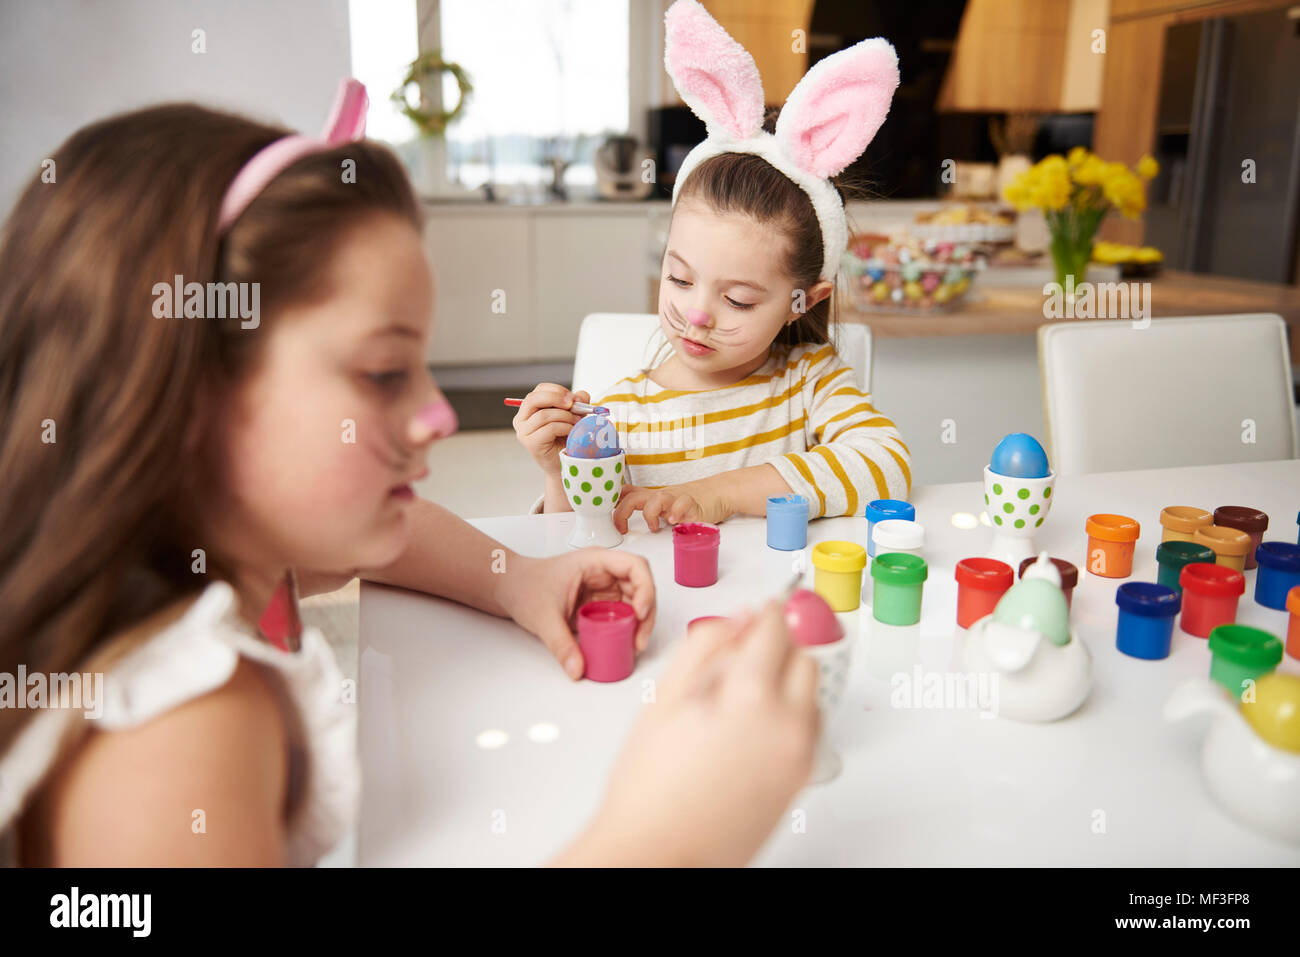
<point>930,281</point>
<point>811,620</point>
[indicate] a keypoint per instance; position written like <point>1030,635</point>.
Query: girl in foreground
<point>174,470</point>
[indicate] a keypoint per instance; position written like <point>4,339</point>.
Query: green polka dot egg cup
<point>1016,508</point>
<point>593,487</point>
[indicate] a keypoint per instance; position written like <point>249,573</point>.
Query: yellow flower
<point>1088,173</point>
<point>1077,156</point>
<point>1147,167</point>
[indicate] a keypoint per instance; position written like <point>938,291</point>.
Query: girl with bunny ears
<point>753,400</point>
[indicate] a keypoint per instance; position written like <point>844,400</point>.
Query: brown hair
<point>99,397</point>
<point>747,183</point>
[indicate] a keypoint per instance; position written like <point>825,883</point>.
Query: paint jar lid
<point>1113,528</point>
<point>1211,580</point>
<point>839,556</point>
<point>1247,519</point>
<point>1244,645</point>
<point>696,535</point>
<point>988,574</point>
<point>1069,572</point>
<point>695,621</point>
<point>1176,554</point>
<point>796,505</point>
<point>894,534</point>
<point>1149,599</point>
<point>1223,540</point>
<point>886,508</point>
<point>897,568</point>
<point>1184,518</point>
<point>1282,556</point>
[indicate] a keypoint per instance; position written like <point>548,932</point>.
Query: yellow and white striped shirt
<point>801,411</point>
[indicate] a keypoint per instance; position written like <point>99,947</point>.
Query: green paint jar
<point>1173,555</point>
<point>897,582</point>
<point>1240,654</point>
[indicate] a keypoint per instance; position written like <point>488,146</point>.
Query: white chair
<point>612,345</point>
<point>1196,390</point>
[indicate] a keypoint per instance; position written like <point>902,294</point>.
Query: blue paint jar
<point>1278,573</point>
<point>886,508</point>
<point>787,522</point>
<point>1146,619</point>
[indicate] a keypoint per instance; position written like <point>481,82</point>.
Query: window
<point>550,79</point>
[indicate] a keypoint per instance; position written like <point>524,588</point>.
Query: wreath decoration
<point>432,122</point>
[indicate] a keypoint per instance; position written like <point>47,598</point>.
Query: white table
<point>1113,784</point>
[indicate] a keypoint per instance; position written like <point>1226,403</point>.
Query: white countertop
<point>944,787</point>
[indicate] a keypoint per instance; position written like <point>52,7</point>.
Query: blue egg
<point>1020,456</point>
<point>593,437</point>
<point>876,273</point>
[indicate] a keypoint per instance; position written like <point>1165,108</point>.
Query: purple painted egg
<point>593,437</point>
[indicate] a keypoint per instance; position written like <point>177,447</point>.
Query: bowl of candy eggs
<point>909,275</point>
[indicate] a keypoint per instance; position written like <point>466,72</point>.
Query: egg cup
<point>832,675</point>
<point>1015,508</point>
<point>593,487</point>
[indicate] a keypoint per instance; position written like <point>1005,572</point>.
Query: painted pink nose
<point>697,317</point>
<point>437,420</point>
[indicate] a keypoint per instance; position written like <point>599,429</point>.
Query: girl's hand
<point>544,421</point>
<point>714,760</point>
<point>545,594</point>
<point>700,501</point>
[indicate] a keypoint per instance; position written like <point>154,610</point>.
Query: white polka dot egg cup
<point>1016,507</point>
<point>832,675</point>
<point>593,487</point>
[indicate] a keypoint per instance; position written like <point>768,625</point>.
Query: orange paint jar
<point>1228,544</point>
<point>1180,522</point>
<point>1111,540</point>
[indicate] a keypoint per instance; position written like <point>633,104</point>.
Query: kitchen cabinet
<point>480,261</point>
<point>582,265</point>
<point>513,283</point>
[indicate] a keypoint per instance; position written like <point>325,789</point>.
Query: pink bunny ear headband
<point>830,117</point>
<point>346,124</point>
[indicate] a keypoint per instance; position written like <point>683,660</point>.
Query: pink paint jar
<point>695,554</point>
<point>607,639</point>
<point>690,625</point>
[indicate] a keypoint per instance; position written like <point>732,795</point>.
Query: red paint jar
<point>980,583</point>
<point>1210,595</point>
<point>1068,572</point>
<point>1244,519</point>
<point>695,554</point>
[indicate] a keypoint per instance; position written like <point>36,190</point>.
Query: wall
<point>64,63</point>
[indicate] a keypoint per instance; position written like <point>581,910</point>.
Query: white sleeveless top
<point>192,656</point>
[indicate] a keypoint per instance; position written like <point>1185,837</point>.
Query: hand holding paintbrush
<point>545,417</point>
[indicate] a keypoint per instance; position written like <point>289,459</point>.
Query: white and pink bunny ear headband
<point>346,124</point>
<point>830,117</point>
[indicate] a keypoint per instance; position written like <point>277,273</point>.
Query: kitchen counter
<point>996,310</point>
